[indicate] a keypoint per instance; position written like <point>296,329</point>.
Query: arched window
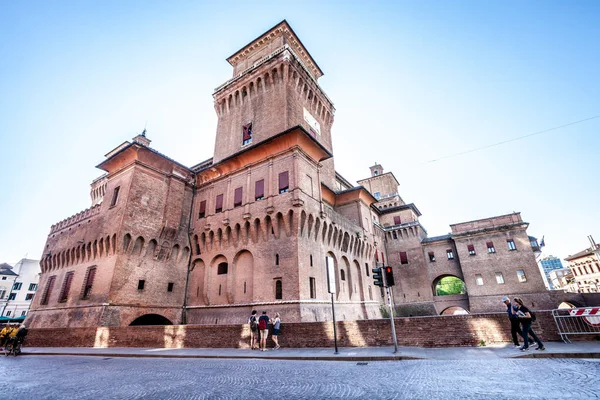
<point>342,275</point>
<point>276,259</point>
<point>222,269</point>
<point>278,290</point>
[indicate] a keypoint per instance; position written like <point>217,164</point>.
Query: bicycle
<point>13,347</point>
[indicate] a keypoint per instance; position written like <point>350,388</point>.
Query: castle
<point>251,227</point>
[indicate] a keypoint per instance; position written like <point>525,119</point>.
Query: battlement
<point>81,216</point>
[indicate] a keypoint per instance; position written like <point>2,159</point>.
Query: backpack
<point>533,317</point>
<point>262,324</point>
<point>253,323</point>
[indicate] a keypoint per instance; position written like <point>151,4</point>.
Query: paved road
<point>56,377</point>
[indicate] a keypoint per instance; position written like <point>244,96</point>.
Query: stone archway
<point>446,285</point>
<point>150,319</point>
<point>454,310</point>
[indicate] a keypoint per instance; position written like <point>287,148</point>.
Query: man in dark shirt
<point>524,316</point>
<point>515,324</point>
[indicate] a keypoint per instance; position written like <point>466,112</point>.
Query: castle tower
<point>274,88</point>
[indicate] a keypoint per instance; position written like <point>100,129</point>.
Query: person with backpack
<point>263,328</point>
<point>253,322</point>
<point>527,317</point>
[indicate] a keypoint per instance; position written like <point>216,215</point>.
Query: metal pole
<point>334,328</point>
<point>389,293</point>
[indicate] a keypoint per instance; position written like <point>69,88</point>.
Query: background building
<point>547,265</point>
<point>7,279</point>
<point>585,267</point>
<point>22,291</point>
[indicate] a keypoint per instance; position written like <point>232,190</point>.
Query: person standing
<point>253,322</point>
<point>276,326</point>
<point>515,323</point>
<point>524,316</point>
<point>263,327</point>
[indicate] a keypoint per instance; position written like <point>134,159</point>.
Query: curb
<point>291,358</point>
<point>559,355</point>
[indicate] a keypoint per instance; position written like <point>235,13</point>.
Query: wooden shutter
<point>48,291</point>
<point>67,286</point>
<point>247,131</point>
<point>284,182</point>
<point>237,197</point>
<point>259,189</point>
<point>202,211</point>
<point>89,282</point>
<point>397,220</point>
<point>403,258</point>
<point>490,245</point>
<point>470,247</point>
<point>219,205</point>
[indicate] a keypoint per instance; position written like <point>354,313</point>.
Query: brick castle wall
<point>463,330</point>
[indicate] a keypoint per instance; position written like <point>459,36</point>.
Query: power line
<point>511,140</point>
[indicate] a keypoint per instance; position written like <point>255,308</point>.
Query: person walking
<point>276,326</point>
<point>515,323</point>
<point>263,327</point>
<point>524,316</point>
<point>253,322</point>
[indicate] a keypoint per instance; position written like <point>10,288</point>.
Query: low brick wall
<point>435,331</point>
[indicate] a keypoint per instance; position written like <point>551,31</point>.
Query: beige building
<point>585,267</point>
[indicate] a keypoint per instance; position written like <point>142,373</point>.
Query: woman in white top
<point>276,325</point>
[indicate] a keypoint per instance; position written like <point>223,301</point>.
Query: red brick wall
<point>463,330</point>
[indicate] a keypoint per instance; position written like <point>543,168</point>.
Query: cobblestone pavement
<point>56,377</point>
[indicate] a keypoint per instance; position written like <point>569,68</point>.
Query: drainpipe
<point>187,279</point>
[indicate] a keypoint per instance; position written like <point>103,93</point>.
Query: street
<point>56,377</point>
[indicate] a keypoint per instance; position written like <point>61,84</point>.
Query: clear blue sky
<point>412,81</point>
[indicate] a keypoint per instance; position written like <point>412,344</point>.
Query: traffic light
<point>389,276</point>
<point>378,276</point>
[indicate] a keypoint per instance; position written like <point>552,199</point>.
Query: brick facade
<point>252,227</point>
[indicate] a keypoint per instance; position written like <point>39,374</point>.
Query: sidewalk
<point>553,350</point>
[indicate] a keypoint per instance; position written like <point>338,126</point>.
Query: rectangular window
<point>450,254</point>
<point>64,294</point>
<point>2,293</point>
<point>17,285</point>
<point>511,244</point>
<point>202,211</point>
<point>313,288</point>
<point>479,279</point>
<point>259,190</point>
<point>115,197</point>
<point>23,313</point>
<point>499,278</point>
<point>377,195</point>
<point>471,249</point>
<point>219,204</point>
<point>141,284</point>
<point>490,247</point>
<point>89,282</point>
<point>395,235</point>
<point>170,286</point>
<point>247,134</point>
<point>397,220</point>
<point>8,313</point>
<point>431,256</point>
<point>403,258</point>
<point>33,287</point>
<point>12,296</point>
<point>237,197</point>
<point>29,296</point>
<point>48,291</point>
<point>521,276</point>
<point>284,182</point>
